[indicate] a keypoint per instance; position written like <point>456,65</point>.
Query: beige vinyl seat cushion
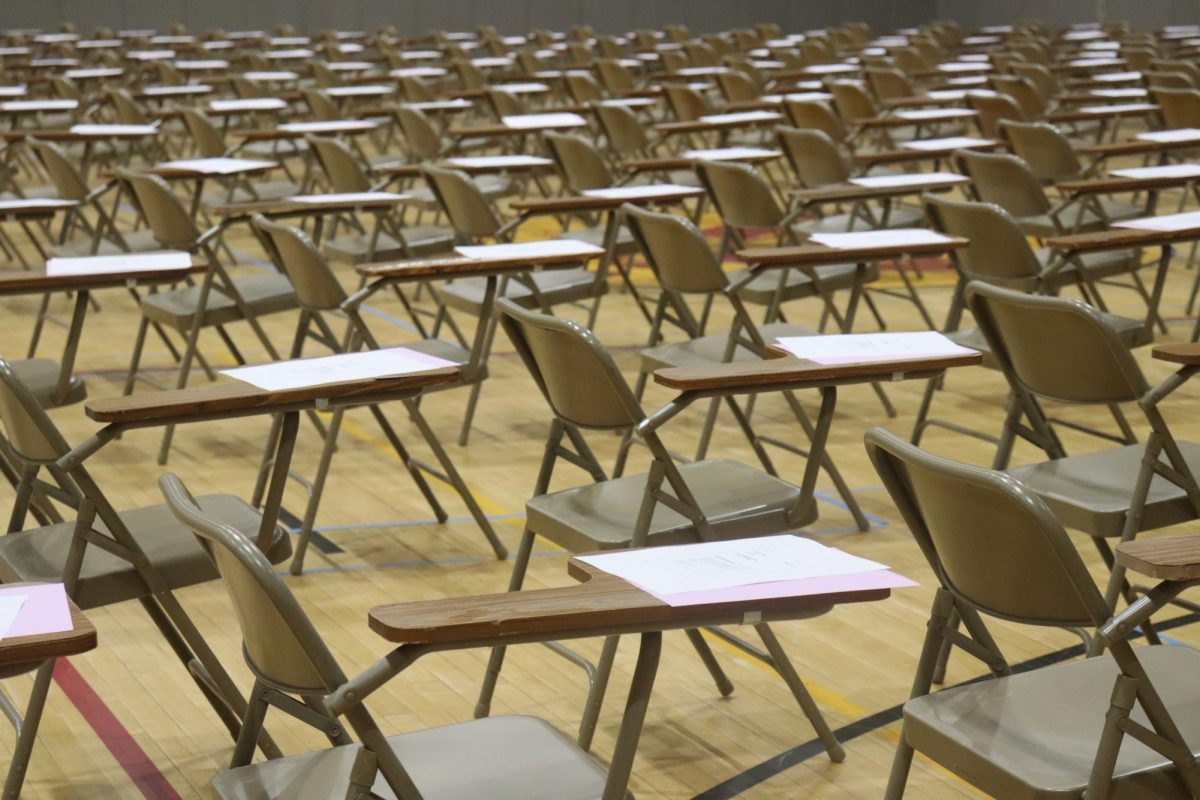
<point>264,294</point>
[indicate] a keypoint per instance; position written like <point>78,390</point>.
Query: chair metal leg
<point>318,488</point>
<point>724,685</point>
<point>783,666</point>
<point>469,414</point>
<point>595,698</point>
<point>28,731</point>
<point>483,706</point>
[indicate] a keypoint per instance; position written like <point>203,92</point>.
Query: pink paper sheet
<point>862,581</point>
<point>45,610</point>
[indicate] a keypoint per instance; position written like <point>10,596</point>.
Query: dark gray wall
<point>417,16</point>
<point>1141,14</point>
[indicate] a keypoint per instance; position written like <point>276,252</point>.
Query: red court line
<point>116,737</point>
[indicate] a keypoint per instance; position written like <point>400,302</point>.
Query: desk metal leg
<point>74,332</point>
<point>635,716</point>
<point>283,459</point>
<point>28,730</point>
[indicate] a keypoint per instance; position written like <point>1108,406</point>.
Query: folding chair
<point>702,500</point>
<point>998,551</point>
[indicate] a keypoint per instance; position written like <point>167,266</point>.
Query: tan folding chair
<point>209,142</point>
<point>319,294</point>
<point>104,556</point>
<point>998,551</point>
<point>1113,493</point>
<point>504,758</point>
<point>698,501</point>
<point>219,300</point>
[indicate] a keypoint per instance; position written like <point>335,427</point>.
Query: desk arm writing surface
<point>1186,353</point>
<point>779,373</point>
<point>1173,558</point>
<point>759,257</point>
<point>1120,184</point>
<point>156,408</point>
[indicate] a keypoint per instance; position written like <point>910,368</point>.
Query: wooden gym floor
<point>127,721</point>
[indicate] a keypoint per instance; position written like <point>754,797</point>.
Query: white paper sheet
<point>271,75</point>
<point>630,102</point>
<point>368,90</point>
<point>830,69</point>
<point>349,197</point>
<point>911,179</point>
<point>114,130</point>
<point>24,202</point>
<point>918,114</point>
<point>498,162</point>
<point>1095,62</point>
<point>39,105</point>
<point>1118,108</point>
<point>1170,222</point>
<point>950,142</point>
<point>13,91</point>
<point>218,166</point>
<point>723,565</point>
<point>1167,171</point>
<point>797,97</point>
<point>948,94</point>
<point>125,262</point>
<point>302,373</point>
<point>1118,77</point>
<point>731,153</point>
<point>1127,92</point>
<point>10,606</point>
<point>963,66</point>
<point>418,72</point>
<point>639,192</point>
<point>1171,136</point>
<point>534,121</point>
<point>523,88</point>
<point>864,348</point>
<point>349,66</point>
<point>162,91</point>
<point>550,248</point>
<point>250,104</point>
<point>492,61</point>
<point>441,105</point>
<point>891,237</point>
<point>94,72</point>
<point>742,116</point>
<point>289,55</point>
<point>328,125</point>
<point>701,72</point>
<point>203,63</point>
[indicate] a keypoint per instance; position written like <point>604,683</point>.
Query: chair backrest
<point>676,250</point>
<point>246,89</point>
<point>1005,180</point>
<point>1157,80</point>
<point>65,88</point>
<point>470,76</point>
<point>290,249</point>
<point>701,54</point>
<point>206,137</point>
<point>61,169</point>
<point>1045,149</point>
<point>1023,91</point>
<point>624,133</point>
<point>814,157</point>
<point>128,111</point>
<point>169,74</point>
<point>505,103</point>
<point>169,220</point>
<point>345,174</point>
<point>687,103</point>
<point>992,110</point>
<point>1180,108</point>
<point>1055,347</point>
<point>992,543</point>
<point>322,74</point>
<point>420,135</point>
<point>890,84</point>
<point>31,433</point>
<point>737,86</point>
<point>615,76</point>
<point>583,88</point>
<point>1039,75</point>
<point>472,216</point>
<point>573,370</point>
<point>280,643</point>
<point>415,90</point>
<point>852,101</point>
<point>579,162</point>
<point>998,252</point>
<point>816,115</point>
<point>741,195</point>
<point>321,105</point>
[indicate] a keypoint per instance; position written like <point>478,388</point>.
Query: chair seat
<point>265,190</point>
<point>40,376</point>
<point>711,349</point>
<point>1035,735</point>
<point>738,500</point>
<point>263,294</point>
<point>422,240</point>
<point>142,241</point>
<point>497,758</point>
<point>1097,266</point>
<point>1091,492</point>
<point>555,286</point>
<point>39,555</point>
<point>834,277</point>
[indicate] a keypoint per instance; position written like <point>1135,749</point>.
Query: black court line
<point>318,541</point>
<point>777,764</point>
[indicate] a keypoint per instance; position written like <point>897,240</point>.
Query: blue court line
<point>830,496</point>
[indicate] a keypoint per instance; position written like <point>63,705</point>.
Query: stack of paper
<point>498,162</point>
<point>948,143</point>
<point>1166,171</point>
<point>303,373</point>
<point>1189,220</point>
<point>114,130</point>
<point>321,126</point>
<point>731,153</point>
<point>644,192</point>
<point>218,166</point>
<point>1171,136</point>
<point>740,117</point>
<point>911,179</point>
<point>123,263</point>
<point>867,348</point>
<point>920,114</point>
<point>744,569</point>
<point>34,610</point>
<point>349,197</point>
<point>249,104</point>
<point>536,121</point>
